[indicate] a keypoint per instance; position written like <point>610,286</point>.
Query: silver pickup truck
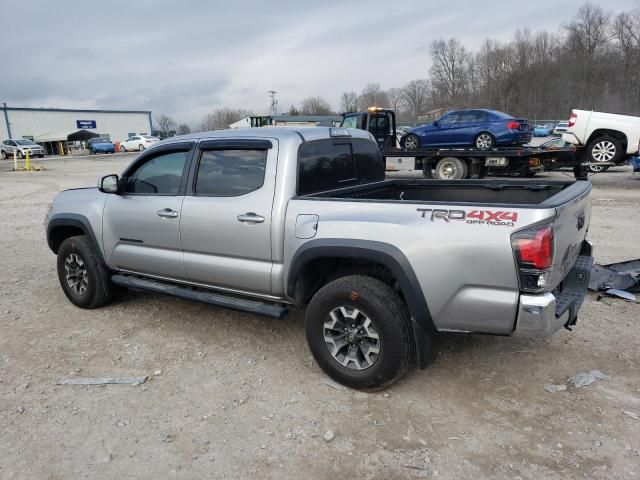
<point>264,219</point>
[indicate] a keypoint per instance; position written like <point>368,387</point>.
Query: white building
<point>51,126</point>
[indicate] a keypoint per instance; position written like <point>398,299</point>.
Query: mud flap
<point>425,345</point>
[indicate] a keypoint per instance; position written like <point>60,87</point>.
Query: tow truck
<point>458,163</point>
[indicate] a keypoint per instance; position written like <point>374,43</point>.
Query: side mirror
<point>436,123</point>
<point>108,184</point>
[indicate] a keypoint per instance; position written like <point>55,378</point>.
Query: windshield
<point>24,142</point>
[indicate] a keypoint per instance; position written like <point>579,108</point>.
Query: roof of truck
<point>307,133</point>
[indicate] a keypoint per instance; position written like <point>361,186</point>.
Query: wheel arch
<point>63,226</point>
<point>605,132</point>
<point>375,253</point>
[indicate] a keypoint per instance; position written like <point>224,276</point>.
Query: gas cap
<point>306,225</point>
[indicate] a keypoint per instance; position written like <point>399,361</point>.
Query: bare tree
<point>293,110</point>
<point>221,118</point>
<point>372,96</point>
<point>165,123</point>
<point>396,98</point>
<point>449,69</point>
<point>315,106</point>
<point>416,96</point>
<point>349,102</point>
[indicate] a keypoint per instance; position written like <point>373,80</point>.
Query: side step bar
<point>206,296</point>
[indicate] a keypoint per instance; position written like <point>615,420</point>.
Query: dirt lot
<point>239,396</point>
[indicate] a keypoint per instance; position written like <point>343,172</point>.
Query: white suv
<point>138,142</point>
<point>609,138</point>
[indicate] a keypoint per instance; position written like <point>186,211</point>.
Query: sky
<point>186,58</point>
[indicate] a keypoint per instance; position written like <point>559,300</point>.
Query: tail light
<point>533,250</point>
<point>572,119</point>
<point>513,125</point>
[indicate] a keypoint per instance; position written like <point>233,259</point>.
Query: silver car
<point>21,146</point>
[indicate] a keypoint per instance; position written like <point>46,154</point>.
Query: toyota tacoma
<point>267,219</point>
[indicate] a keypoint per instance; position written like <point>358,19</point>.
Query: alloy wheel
<point>484,141</point>
<point>76,274</point>
<point>603,151</point>
<point>411,142</point>
<point>351,338</point>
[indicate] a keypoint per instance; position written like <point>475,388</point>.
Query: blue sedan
<point>101,145</point>
<point>481,129</point>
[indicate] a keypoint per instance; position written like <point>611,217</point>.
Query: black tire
<point>603,149</point>
<point>389,318</point>
<point>484,141</point>
<point>123,149</point>
<point>140,148</point>
<point>41,156</point>
<point>20,154</point>
<point>451,168</point>
<point>96,279</point>
<point>410,142</point>
<point>3,154</point>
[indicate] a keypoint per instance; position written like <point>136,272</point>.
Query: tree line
<point>592,63</point>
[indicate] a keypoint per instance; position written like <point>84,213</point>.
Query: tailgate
<point>573,211</point>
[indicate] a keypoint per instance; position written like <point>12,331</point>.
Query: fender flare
<point>392,258</point>
<point>78,221</point>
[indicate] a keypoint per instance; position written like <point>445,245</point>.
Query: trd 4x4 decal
<point>478,217</point>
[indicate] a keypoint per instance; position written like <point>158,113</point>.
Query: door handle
<point>251,218</point>
<point>167,213</point>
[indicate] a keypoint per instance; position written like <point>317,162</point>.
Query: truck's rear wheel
<point>603,149</point>
<point>85,283</point>
<point>359,331</point>
<point>451,168</point>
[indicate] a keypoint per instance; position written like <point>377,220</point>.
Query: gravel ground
<point>233,395</point>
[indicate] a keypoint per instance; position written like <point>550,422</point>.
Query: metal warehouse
<point>54,127</point>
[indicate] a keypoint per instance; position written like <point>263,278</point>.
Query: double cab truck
<point>264,220</point>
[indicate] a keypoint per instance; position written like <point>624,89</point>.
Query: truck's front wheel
<point>84,282</point>
<point>359,332</point>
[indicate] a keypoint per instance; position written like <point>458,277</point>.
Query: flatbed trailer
<point>458,163</point>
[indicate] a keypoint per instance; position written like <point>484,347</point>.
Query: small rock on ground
<point>329,435</point>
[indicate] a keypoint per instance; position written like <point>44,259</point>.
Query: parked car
<point>481,129</point>
<point>101,145</point>
<point>21,146</point>
<point>543,130</point>
<point>560,128</point>
<point>138,142</point>
<point>609,138</point>
<point>275,217</point>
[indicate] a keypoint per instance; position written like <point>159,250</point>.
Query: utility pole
<point>274,101</point>
<point>6,119</point>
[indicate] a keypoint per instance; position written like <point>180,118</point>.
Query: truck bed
<point>522,194</point>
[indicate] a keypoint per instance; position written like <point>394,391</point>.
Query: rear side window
<point>329,164</point>
<point>230,173</point>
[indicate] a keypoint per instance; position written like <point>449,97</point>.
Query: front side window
<point>159,176</point>
<point>230,173</point>
<point>350,122</point>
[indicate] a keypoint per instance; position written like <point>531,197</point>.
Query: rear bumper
<point>544,314</point>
